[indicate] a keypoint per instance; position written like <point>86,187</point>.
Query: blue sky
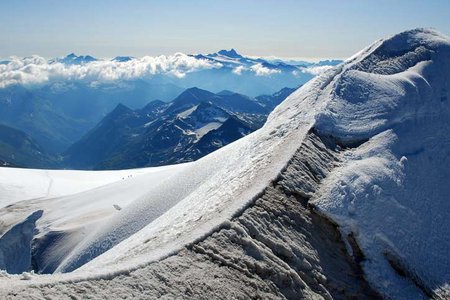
<point>107,28</point>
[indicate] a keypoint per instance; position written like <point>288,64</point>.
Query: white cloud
<point>36,70</point>
<point>238,70</point>
<point>316,70</point>
<point>260,70</point>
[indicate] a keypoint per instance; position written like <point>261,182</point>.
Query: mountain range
<point>57,101</point>
<point>194,124</point>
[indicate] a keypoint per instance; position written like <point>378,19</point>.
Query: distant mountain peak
<point>190,97</point>
<point>193,89</point>
<point>121,107</point>
<point>225,93</point>
<point>196,91</point>
<point>230,53</point>
<point>122,58</point>
<point>72,58</point>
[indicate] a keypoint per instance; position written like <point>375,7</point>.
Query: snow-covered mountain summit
<point>391,192</point>
<point>73,59</point>
<point>365,146</point>
<point>229,53</point>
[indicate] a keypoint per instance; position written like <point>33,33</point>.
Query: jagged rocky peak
<point>230,53</point>
<point>72,58</point>
<point>122,58</point>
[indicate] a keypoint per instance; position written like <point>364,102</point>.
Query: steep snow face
<point>391,193</point>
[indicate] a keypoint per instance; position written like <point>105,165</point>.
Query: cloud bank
<point>316,70</point>
<point>37,70</point>
<point>258,69</point>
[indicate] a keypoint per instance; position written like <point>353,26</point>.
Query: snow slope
<point>72,202</point>
<point>388,109</point>
<point>24,184</point>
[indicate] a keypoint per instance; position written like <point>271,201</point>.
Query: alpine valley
<point>84,112</point>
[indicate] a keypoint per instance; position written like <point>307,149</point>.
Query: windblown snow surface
<point>348,182</point>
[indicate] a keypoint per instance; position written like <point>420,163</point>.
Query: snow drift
<point>386,109</point>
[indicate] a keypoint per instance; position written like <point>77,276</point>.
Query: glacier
<point>342,193</point>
